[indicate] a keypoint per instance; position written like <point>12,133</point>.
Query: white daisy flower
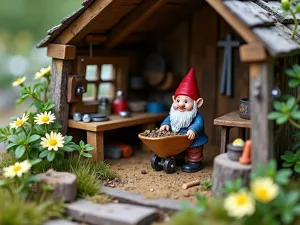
<point>19,81</point>
<point>44,118</point>
<point>18,169</point>
<point>19,122</point>
<point>53,141</point>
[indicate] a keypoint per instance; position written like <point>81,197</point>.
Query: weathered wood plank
<point>138,199</point>
<point>232,119</point>
<point>261,76</point>
<point>274,7</point>
<point>253,52</point>
<point>250,13</point>
<point>113,214</point>
<point>80,27</point>
<point>232,20</point>
<point>58,88</point>
<point>132,21</point>
<point>61,51</point>
<point>277,42</point>
<point>225,169</point>
<point>96,140</point>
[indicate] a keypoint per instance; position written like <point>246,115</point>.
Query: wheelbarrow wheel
<point>169,165</point>
<point>155,163</point>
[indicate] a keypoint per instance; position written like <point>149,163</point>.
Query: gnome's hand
<point>164,127</point>
<point>191,134</point>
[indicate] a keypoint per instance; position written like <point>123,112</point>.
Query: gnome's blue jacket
<point>197,125</point>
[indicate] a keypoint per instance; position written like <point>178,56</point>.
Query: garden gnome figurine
<point>184,118</point>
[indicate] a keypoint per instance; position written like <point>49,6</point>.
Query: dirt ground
<point>136,175</point>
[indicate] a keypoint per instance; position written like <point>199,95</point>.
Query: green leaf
<point>274,115</point>
<point>295,115</point>
<point>13,138</point>
<point>296,209</point>
<point>296,67</point>
<point>43,154</point>
<point>292,197</point>
<point>290,73</point>
<point>77,147</point>
<point>10,146</point>
<point>20,150</point>
<point>67,149</point>
<point>89,148</point>
<point>68,139</point>
<point>288,164</point>
<point>282,176</point>
<point>35,161</point>
<point>297,167</point>
<point>287,158</point>
<point>291,103</point>
<point>282,120</point>
<point>287,217</point>
<point>289,153</point>
<point>88,155</point>
<point>296,145</point>
<point>51,156</point>
<point>38,105</point>
<point>34,179</point>
<point>33,138</point>
<point>277,105</point>
<point>294,83</point>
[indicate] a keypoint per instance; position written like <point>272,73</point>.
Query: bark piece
<point>225,169</point>
<point>64,185</point>
<point>112,213</point>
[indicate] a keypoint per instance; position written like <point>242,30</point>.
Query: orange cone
<point>246,156</point>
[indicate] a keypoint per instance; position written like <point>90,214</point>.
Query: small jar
<point>104,108</point>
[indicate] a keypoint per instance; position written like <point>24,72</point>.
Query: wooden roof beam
<point>132,21</point>
<point>253,52</point>
<point>80,27</point>
<point>61,51</point>
<point>244,31</point>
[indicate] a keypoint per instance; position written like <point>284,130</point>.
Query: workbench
<point>95,130</point>
<point>227,122</point>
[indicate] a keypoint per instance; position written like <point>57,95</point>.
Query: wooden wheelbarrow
<point>165,148</point>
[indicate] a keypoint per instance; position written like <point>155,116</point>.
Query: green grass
<point>88,173</point>
<point>16,211</point>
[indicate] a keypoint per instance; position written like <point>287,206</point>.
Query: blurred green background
<point>23,23</point>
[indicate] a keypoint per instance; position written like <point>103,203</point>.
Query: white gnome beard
<point>182,119</point>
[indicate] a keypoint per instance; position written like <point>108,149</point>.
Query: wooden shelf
<point>115,122</point>
<point>232,119</point>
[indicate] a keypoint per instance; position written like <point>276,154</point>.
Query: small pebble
<point>151,189</point>
<point>144,172</point>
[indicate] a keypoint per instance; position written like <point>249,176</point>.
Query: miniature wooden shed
<point>186,32</point>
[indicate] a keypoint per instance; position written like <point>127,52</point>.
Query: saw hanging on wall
<point>226,77</point>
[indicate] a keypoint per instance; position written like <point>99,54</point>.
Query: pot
<point>245,109</point>
<point>234,152</point>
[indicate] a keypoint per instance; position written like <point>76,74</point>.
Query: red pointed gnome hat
<point>188,86</point>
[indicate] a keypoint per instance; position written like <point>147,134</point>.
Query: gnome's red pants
<point>194,154</point>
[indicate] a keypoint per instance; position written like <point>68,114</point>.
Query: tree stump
<point>225,169</point>
<point>64,185</point>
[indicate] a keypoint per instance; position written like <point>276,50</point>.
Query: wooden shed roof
<point>118,20</point>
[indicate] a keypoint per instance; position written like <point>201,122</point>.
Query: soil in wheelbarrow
<point>136,175</point>
<point>157,133</point>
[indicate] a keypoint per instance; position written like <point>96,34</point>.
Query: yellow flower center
<point>241,200</point>
<point>52,142</point>
<point>19,122</point>
<point>19,80</point>
<point>262,194</point>
<point>17,168</point>
<point>45,119</point>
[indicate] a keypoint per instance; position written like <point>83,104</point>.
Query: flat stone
<point>60,222</point>
<point>110,214</point>
<point>135,198</point>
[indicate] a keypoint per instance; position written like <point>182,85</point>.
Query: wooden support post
<point>61,51</point>
<point>261,76</point>
<point>132,21</point>
<point>59,79</point>
<point>148,126</point>
<point>225,133</point>
<point>96,140</point>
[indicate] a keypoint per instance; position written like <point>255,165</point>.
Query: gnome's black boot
<point>180,162</point>
<point>191,167</point>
